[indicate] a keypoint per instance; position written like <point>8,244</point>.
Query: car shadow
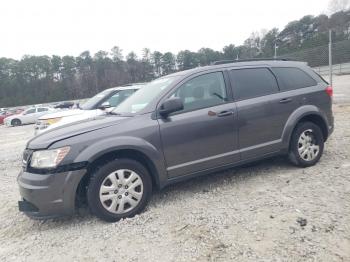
<point>233,175</point>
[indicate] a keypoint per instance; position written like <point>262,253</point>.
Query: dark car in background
<point>179,126</point>
<point>66,104</point>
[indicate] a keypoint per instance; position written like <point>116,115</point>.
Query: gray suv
<point>179,126</point>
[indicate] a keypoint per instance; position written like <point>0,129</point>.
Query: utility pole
<point>275,56</point>
<point>330,58</point>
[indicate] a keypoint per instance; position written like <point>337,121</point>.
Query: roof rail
<point>220,62</point>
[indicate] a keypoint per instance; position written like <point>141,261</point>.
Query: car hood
<point>46,139</point>
<point>63,113</point>
<point>86,114</point>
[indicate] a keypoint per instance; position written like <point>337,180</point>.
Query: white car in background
<point>29,116</point>
<point>95,106</point>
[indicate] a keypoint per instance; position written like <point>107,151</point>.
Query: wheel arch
<point>307,113</point>
<point>14,119</point>
<point>144,153</point>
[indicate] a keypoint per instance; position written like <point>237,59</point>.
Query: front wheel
<point>306,145</point>
<point>119,189</point>
<point>16,122</point>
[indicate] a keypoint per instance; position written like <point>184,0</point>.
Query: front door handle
<point>225,113</point>
<point>285,100</point>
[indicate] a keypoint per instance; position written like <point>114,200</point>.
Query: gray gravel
<point>269,211</point>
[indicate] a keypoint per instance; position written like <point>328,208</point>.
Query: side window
<point>252,82</point>
<point>30,111</point>
<point>119,97</point>
<point>202,91</point>
<point>41,109</point>
<point>290,78</point>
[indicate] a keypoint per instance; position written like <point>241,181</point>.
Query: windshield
<point>88,105</point>
<point>144,96</point>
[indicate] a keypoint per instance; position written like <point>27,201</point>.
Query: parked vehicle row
<point>176,127</point>
<point>95,106</point>
<point>8,112</point>
<point>28,116</point>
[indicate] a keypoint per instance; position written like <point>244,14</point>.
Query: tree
<point>156,61</point>
<point>168,63</point>
<point>268,43</point>
<point>187,60</point>
<point>207,56</point>
<point>146,55</point>
<point>230,52</point>
<point>117,54</point>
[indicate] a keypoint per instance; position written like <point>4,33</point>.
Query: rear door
<point>204,134</point>
<point>253,89</point>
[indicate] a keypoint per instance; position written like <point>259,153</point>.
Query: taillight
<point>329,91</point>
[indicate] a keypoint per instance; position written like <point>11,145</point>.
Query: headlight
<point>51,121</point>
<point>48,158</point>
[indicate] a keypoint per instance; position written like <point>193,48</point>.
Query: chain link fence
<point>318,58</point>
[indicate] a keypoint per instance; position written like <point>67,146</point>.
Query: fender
<point>295,117</point>
<point>111,144</point>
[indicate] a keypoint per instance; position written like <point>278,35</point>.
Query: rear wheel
<point>306,145</point>
<point>119,189</point>
<point>16,122</point>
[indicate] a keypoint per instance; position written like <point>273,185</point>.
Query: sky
<point>69,27</point>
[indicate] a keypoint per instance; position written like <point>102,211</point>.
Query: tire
<point>16,122</point>
<point>306,145</point>
<point>120,201</point>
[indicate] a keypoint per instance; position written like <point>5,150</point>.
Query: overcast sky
<point>69,27</point>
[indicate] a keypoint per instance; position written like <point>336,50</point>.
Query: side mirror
<point>104,106</point>
<point>170,105</point>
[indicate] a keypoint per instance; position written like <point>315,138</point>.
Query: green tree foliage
<point>187,60</point>
<point>39,79</point>
<point>168,63</point>
<point>230,52</point>
<point>156,61</point>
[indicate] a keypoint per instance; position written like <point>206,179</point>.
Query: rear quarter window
<point>290,78</point>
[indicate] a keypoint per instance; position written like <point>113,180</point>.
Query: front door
<point>28,116</point>
<point>204,134</point>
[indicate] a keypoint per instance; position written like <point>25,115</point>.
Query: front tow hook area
<point>25,206</point>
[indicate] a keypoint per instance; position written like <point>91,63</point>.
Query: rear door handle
<point>285,100</point>
<point>225,113</point>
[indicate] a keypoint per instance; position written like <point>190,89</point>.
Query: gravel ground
<point>269,211</point>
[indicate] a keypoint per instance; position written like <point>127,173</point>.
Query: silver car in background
<point>29,116</point>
